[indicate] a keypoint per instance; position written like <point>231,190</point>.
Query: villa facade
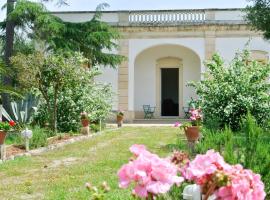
<point>166,49</point>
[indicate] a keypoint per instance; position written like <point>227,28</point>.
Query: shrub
<point>229,92</point>
<point>95,99</point>
<point>39,138</point>
<point>96,127</point>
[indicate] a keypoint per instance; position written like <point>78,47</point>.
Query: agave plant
<point>22,110</point>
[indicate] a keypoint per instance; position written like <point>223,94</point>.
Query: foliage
<point>228,92</point>
<point>50,75</point>
<point>6,126</point>
<point>91,37</point>
<point>193,103</point>
<point>22,110</point>
<point>39,138</point>
<point>258,16</point>
<point>5,88</point>
<point>120,113</point>
<point>96,127</point>
<point>84,115</point>
<point>93,98</point>
<point>98,192</point>
<point>249,147</point>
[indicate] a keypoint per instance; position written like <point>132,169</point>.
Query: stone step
<point>159,121</point>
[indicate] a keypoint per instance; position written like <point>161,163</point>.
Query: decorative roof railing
<point>178,17</point>
<point>160,17</point>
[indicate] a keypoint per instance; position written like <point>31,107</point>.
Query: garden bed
<point>15,150</point>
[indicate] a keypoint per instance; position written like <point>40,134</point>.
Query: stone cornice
<point>216,30</point>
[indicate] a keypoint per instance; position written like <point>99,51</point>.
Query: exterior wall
<point>229,15</point>
<point>190,35</point>
<point>146,74</point>
<point>228,46</point>
<point>110,76</point>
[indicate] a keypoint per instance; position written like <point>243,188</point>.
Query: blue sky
<point>85,5</point>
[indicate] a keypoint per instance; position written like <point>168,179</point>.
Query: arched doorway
<point>161,74</point>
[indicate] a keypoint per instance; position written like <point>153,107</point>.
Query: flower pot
<point>85,122</point>
<point>2,137</point>
<point>119,119</point>
<point>192,133</point>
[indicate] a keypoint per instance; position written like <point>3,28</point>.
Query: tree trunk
<point>7,81</point>
<point>54,116</point>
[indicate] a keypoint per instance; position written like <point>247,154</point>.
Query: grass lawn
<point>62,174</point>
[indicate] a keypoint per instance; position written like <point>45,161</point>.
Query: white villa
<point>166,49</point>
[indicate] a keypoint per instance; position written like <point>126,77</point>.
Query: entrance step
<point>159,121</point>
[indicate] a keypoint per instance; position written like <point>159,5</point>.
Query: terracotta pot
<point>192,133</point>
<point>85,122</point>
<point>119,119</point>
<point>2,137</point>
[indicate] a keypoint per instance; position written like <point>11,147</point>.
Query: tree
<point>7,80</point>
<point>258,15</point>
<point>93,38</point>
<point>229,92</point>
<point>34,23</point>
<point>50,74</point>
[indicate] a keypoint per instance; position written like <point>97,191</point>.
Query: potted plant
<point>4,128</point>
<point>120,118</point>
<point>85,119</point>
<point>192,128</point>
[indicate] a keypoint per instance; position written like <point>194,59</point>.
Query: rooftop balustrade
<point>160,17</point>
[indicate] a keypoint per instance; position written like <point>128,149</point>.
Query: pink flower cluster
<point>232,182</point>
<point>151,174</point>
<point>177,124</point>
<point>195,114</point>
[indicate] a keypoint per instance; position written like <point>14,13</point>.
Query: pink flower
<point>150,173</point>
<point>195,114</point>
<point>204,165</point>
<point>241,184</point>
<point>177,124</point>
<point>138,149</point>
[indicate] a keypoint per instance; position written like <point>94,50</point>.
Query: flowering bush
<point>229,92</point>
<point>151,174</point>
<point>230,182</point>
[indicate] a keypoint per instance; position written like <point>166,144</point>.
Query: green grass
<point>62,174</point>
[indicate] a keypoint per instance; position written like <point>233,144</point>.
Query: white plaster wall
<point>136,46</point>
<point>227,47</point>
<point>110,76</point>
<point>229,15</point>
<point>145,73</point>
